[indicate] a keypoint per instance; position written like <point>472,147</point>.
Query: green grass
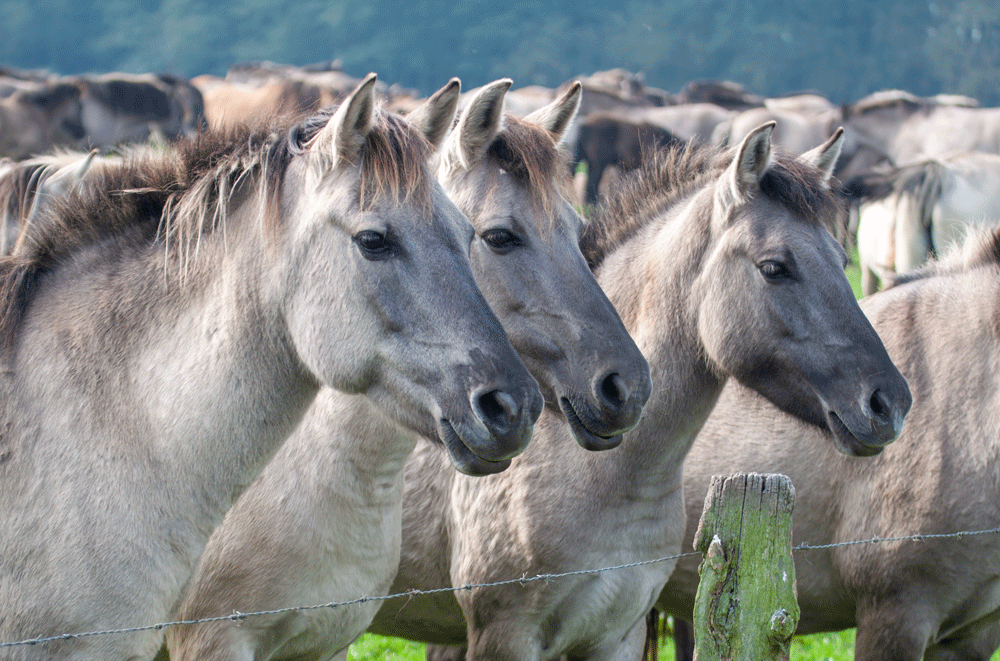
<point>377,648</point>
<point>854,273</point>
<point>817,647</point>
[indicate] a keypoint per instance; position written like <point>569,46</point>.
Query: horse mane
<point>887,99</point>
<point>20,184</point>
<point>675,171</point>
<point>533,158</point>
<point>174,197</point>
<point>923,180</point>
<point>981,248</point>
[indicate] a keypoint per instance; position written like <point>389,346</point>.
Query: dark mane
<point>913,178</point>
<point>169,199</point>
<point>676,171</point>
<point>531,156</point>
<point>888,99</point>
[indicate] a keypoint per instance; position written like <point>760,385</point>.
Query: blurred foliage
<point>843,50</point>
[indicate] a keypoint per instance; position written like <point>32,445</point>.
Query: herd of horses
<point>369,346</point>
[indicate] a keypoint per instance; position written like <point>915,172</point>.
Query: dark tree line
<point>843,50</point>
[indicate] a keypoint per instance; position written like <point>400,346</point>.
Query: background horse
<point>616,139</point>
<point>928,598</point>
<point>165,329</point>
<point>907,128</point>
<point>292,538</point>
<point>721,265</point>
<point>911,213</point>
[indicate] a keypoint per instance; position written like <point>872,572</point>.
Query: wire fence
<point>237,616</point>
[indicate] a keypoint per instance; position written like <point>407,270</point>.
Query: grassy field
<point>818,647</point>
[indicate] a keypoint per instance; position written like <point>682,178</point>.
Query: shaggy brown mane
<point>530,155</point>
<point>393,160</point>
<point>172,198</point>
<point>676,171</point>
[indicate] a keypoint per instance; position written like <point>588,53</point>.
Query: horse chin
<point>587,439</point>
<point>464,459</point>
<point>846,442</point>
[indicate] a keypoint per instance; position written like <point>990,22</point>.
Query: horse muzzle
<point>868,427</point>
<point>613,408</point>
<point>499,428</point>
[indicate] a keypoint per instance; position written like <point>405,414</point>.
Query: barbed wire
<point>237,616</point>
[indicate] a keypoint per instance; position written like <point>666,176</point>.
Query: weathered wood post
<point>745,609</point>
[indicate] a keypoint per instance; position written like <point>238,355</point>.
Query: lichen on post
<point>746,606</point>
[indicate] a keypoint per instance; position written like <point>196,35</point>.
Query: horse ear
<point>345,134</point>
<point>753,157</point>
<point>479,124</point>
<point>434,117</point>
<point>557,117</point>
<point>824,157</point>
<point>741,180</point>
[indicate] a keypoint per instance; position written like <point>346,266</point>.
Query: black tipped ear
<point>752,160</point>
<point>824,157</point>
<point>434,117</point>
<point>344,135</point>
<point>741,180</point>
<point>479,124</point>
<point>558,116</point>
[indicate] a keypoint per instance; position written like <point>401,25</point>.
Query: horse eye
<point>373,244</point>
<point>774,270</point>
<point>501,239</point>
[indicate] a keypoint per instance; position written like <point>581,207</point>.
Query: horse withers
<point>722,265</point>
<point>166,327</point>
<point>910,599</point>
<point>293,539</point>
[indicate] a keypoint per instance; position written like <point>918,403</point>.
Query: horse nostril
<point>613,391</point>
<point>878,405</point>
<point>497,408</point>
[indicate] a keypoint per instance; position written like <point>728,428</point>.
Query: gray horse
<point>164,330</point>
<point>933,598</point>
<point>294,539</point>
<point>721,265</point>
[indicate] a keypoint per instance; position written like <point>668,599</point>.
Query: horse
<point>166,327</point>
<point>29,187</point>
<point>909,599</point>
<point>909,214</point>
<point>122,108</point>
<point>724,93</point>
<point>688,121</point>
<point>252,88</point>
<point>38,116</point>
<point>609,138</point>
<point>906,128</point>
<point>292,539</point>
<point>721,265</point>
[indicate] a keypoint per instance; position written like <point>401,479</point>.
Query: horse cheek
<point>334,332</point>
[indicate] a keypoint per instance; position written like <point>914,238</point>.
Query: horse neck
<point>661,316</point>
<point>193,377</point>
<point>348,447</point>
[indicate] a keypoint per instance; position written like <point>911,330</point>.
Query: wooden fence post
<point>745,609</point>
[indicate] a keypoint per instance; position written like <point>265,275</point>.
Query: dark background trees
<point>843,50</point>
